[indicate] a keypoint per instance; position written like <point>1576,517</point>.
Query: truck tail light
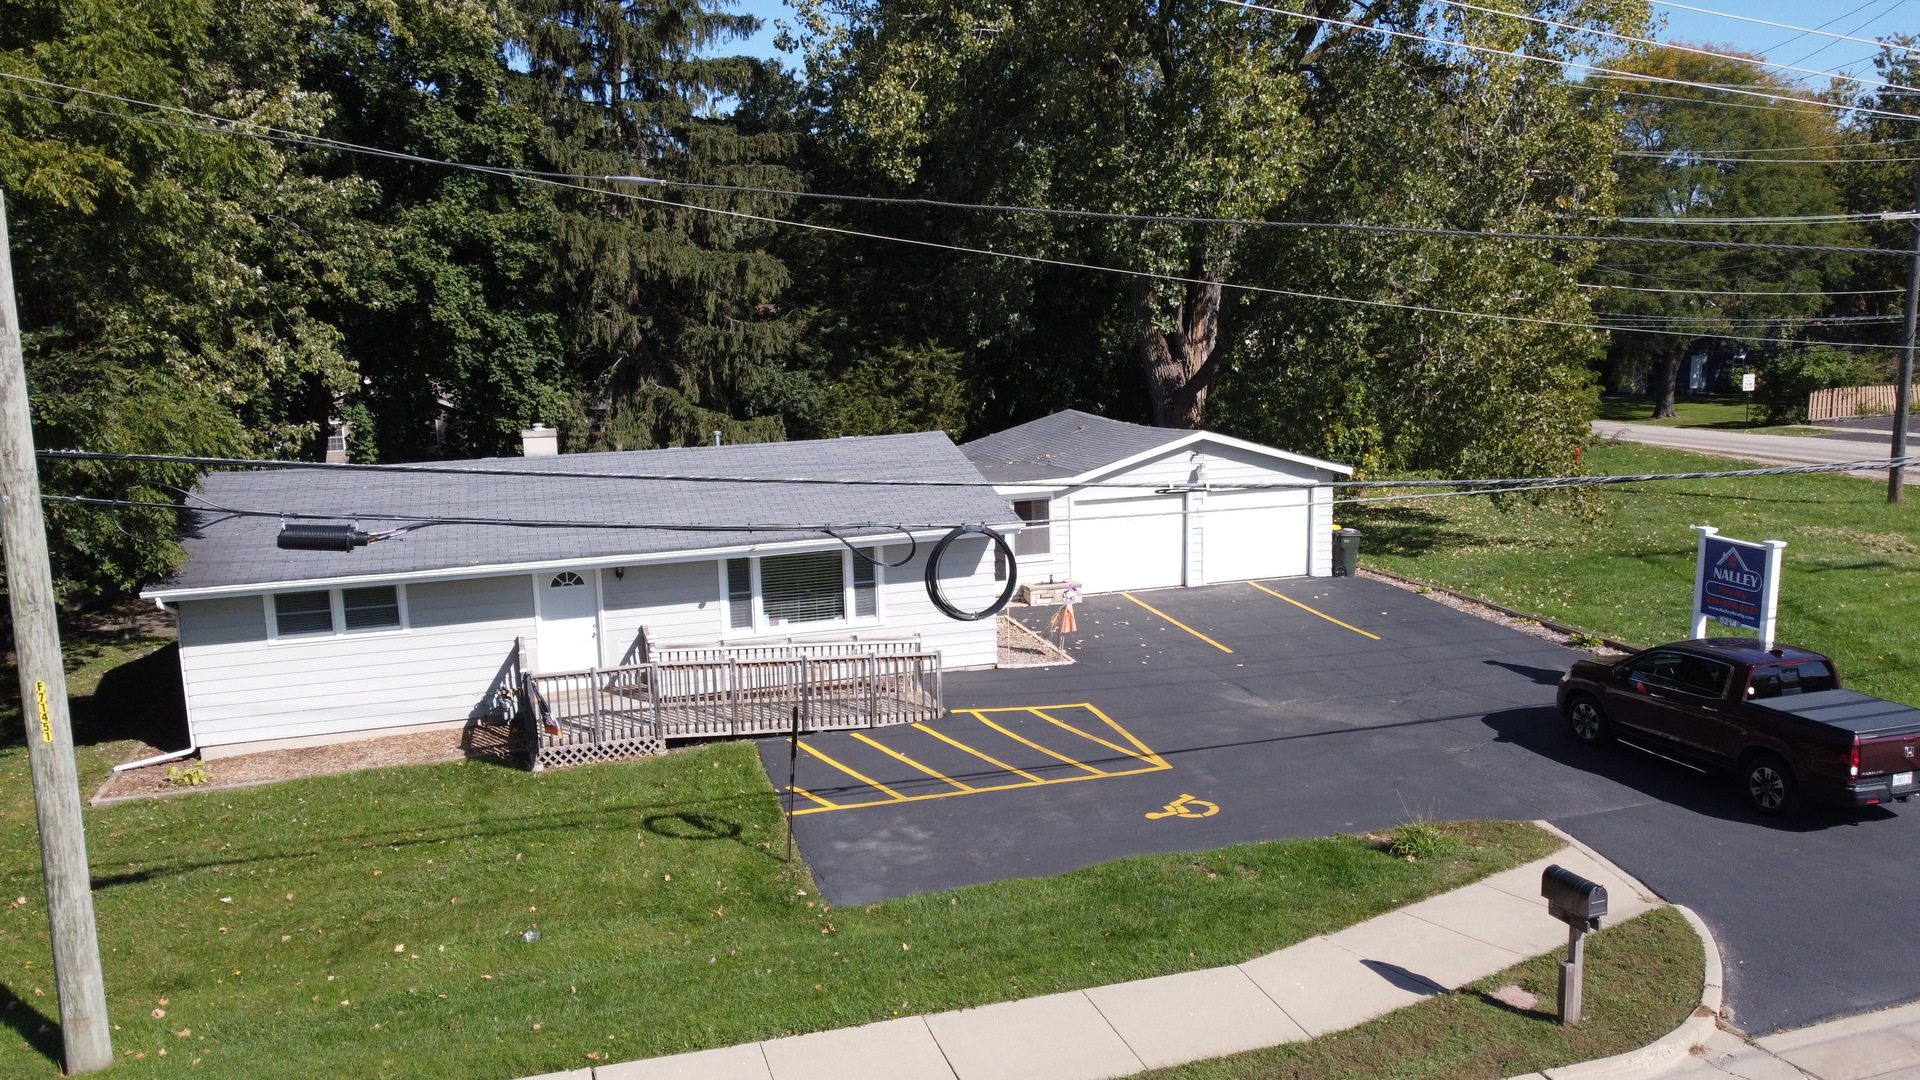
<point>1853,758</point>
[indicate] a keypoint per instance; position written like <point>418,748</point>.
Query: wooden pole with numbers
<point>84,1030</point>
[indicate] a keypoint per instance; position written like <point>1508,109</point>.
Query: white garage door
<point>1128,543</point>
<point>1254,534</point>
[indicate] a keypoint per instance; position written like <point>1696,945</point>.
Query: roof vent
<point>539,441</point>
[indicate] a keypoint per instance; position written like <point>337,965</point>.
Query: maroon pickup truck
<point>1778,719</point>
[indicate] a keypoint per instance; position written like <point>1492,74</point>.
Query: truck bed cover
<point>1849,710</point>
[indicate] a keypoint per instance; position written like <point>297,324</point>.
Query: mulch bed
<point>484,742</point>
<point>1021,647</point>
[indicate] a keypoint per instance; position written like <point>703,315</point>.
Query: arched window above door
<point>565,579</point>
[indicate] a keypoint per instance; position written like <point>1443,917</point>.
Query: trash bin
<point>1346,552</point>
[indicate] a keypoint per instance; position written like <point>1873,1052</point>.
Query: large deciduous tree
<point>1694,153</point>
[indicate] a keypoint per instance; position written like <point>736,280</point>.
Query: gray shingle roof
<point>227,551</point>
<point>1067,443</point>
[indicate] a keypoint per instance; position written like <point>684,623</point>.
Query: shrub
<point>190,776</point>
<point>1421,840</point>
<point>1785,378</point>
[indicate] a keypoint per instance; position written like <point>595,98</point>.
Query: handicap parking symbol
<point>1186,806</point>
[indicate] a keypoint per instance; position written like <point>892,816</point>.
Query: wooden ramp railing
<point>610,713</point>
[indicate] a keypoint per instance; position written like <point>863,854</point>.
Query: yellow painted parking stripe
<point>1144,749</point>
<point>1304,607</point>
<point>823,803</point>
<point>1178,623</point>
<point>937,774</point>
<point>1001,787</point>
<point>1151,759</point>
<point>992,761</point>
<point>1042,749</point>
<point>869,781</point>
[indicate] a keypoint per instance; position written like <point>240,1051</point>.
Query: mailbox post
<point>1580,904</point>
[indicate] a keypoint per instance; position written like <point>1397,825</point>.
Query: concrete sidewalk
<point>1321,985</point>
<point>1874,1046</point>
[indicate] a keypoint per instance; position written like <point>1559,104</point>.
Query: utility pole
<point>43,702</point>
<point>1903,389</point>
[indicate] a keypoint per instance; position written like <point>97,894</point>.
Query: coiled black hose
<point>933,574</point>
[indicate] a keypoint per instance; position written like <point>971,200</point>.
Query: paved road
<point>1310,727</point>
<point>1772,449</point>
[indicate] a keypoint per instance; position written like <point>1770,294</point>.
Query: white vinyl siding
<point>244,686</point>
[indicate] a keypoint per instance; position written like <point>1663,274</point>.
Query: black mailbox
<point>1573,899</point>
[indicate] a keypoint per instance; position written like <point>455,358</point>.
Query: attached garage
<point>1118,506</point>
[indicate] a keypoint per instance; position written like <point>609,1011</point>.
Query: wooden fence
<point>1847,402</point>
<point>612,713</point>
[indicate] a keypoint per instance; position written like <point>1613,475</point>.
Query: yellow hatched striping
<point>1150,758</point>
<point>867,780</point>
<point>824,804</point>
<point>935,773</point>
<point>983,757</point>
<point>1151,762</point>
<point>1052,754</point>
<point>1305,608</point>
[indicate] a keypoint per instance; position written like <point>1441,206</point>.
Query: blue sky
<point>1850,17</point>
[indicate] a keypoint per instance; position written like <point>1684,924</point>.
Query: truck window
<point>1779,680</point>
<point>1681,671</point>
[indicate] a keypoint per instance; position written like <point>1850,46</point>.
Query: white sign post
<point>1736,583</point>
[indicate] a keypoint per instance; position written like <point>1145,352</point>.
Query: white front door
<point>569,609</point>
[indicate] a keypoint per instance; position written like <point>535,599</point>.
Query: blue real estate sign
<point>1733,587</point>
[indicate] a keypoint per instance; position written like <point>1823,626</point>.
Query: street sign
<point>1747,382</point>
<point>1736,583</point>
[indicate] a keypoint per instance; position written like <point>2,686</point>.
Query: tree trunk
<point>1179,364</point>
<point>1666,372</point>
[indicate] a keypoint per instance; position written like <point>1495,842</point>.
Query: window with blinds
<point>370,609</point>
<point>303,613</point>
<point>803,588</point>
<point>866,592</point>
<point>739,594</point>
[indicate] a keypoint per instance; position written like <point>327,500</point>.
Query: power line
<point>1804,219</point>
<point>296,138</point>
<point>1559,483</point>
<point>572,182</point>
<point>1780,25</point>
<point>1692,157</point>
<point>1675,46</point>
<point>1582,65</point>
<point>1734,292</point>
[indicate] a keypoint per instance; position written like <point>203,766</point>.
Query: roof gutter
<point>164,596</point>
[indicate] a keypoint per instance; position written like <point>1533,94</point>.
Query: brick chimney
<point>539,441</point>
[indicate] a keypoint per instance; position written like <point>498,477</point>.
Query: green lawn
<point>376,924</point>
<point>1706,410</point>
<point>1642,979</point>
<point>1622,565</point>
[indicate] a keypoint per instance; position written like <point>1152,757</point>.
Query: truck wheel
<point>1770,785</point>
<point>1588,721</point>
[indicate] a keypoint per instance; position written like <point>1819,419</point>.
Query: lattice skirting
<point>556,757</point>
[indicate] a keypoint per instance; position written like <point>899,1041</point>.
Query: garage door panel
<point>1128,544</point>
<point>1254,536</point>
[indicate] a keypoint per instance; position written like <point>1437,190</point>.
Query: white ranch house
<point>281,649</point>
<point>1116,506</point>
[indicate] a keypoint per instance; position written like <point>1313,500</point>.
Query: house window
<point>371,609</point>
<point>803,588</point>
<point>303,613</point>
<point>325,613</point>
<point>866,594</point>
<point>739,594</point>
<point>566,579</point>
<point>1036,538</point>
<point>811,590</point>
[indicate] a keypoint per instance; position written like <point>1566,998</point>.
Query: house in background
<point>281,648</point>
<point>1116,506</point>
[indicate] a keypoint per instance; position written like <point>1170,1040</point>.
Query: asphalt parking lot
<point>1197,718</point>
